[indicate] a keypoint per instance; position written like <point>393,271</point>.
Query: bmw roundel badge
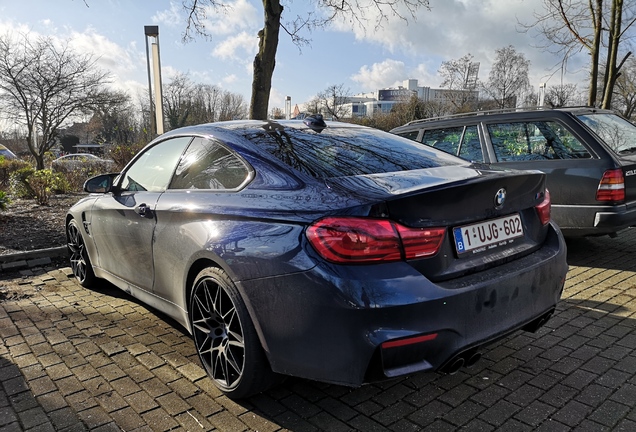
<point>500,198</point>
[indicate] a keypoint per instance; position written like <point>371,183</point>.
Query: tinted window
<point>337,152</point>
<point>153,169</point>
<point>615,131</point>
<point>470,148</point>
<point>410,135</point>
<point>536,140</point>
<point>208,165</point>
<point>444,139</point>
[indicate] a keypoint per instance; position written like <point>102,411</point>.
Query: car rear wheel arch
<point>199,265</point>
<point>225,337</point>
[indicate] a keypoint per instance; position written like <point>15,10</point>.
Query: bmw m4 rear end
<point>319,250</point>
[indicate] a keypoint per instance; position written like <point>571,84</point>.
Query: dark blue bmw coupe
<point>326,251</point>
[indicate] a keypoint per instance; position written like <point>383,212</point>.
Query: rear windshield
<point>615,131</point>
<point>347,151</point>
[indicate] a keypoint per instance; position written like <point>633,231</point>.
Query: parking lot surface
<point>73,359</point>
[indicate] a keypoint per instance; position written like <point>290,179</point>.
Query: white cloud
<point>454,28</point>
<point>380,75</point>
<point>227,19</point>
<point>276,99</point>
<point>229,79</point>
<point>170,17</point>
<point>108,54</point>
<point>237,47</point>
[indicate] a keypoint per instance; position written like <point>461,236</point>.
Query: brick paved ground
<point>73,359</point>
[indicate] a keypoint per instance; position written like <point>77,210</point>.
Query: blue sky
<point>363,61</point>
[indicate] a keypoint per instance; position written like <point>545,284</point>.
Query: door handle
<point>143,210</point>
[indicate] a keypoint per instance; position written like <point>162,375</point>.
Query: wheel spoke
<point>77,252</point>
<point>218,333</point>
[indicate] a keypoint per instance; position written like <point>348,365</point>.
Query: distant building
<point>383,100</point>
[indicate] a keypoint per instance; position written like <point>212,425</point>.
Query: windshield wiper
<point>627,150</point>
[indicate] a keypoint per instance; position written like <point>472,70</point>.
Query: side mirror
<point>100,184</point>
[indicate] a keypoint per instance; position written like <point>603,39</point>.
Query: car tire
<point>78,256</point>
<point>225,337</point>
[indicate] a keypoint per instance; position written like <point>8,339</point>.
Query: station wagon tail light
<point>612,186</point>
<point>544,209</point>
<point>350,240</point>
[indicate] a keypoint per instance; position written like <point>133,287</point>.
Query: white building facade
<point>382,101</point>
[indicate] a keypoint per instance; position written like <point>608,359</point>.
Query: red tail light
<point>544,209</point>
<point>363,240</point>
<point>612,186</point>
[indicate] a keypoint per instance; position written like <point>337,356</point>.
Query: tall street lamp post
<point>153,32</point>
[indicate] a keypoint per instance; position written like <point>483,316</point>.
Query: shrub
<point>73,176</point>
<point>122,154</point>
<point>19,182</point>
<point>7,168</point>
<point>43,183</point>
<point>4,200</point>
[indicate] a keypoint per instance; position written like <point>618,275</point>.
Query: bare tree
<point>205,105</point>
<point>595,26</point>
<point>461,79</point>
<point>508,78</point>
<point>625,89</point>
<point>313,106</point>
<point>357,12</point>
<point>333,101</point>
<point>177,100</point>
<point>561,95</point>
<point>188,103</point>
<point>232,106</point>
<point>117,124</point>
<point>44,86</point>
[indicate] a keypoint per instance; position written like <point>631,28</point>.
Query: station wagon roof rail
<point>493,111</point>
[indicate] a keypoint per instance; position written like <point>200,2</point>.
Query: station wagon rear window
<point>534,140</point>
<point>615,131</point>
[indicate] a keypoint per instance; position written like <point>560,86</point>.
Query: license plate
<point>487,235</point>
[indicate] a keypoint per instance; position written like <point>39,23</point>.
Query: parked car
<point>589,156</point>
<point>8,154</point>
<point>326,251</point>
<point>76,161</point>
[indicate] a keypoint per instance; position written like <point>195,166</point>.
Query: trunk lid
<point>489,215</point>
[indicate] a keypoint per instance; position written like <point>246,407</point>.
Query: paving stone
<point>77,359</point>
<point>141,402</point>
<point>160,419</point>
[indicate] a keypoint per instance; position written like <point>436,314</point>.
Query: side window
<point>537,140</point>
<point>153,169</point>
<point>470,148</point>
<point>410,135</point>
<point>209,165</point>
<point>446,139</point>
<point>566,145</point>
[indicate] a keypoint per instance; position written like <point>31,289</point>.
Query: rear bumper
<point>594,220</point>
<point>335,319</point>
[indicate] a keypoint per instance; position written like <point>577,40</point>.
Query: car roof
<point>256,125</point>
<point>4,151</point>
<point>77,154</point>
<point>498,115</point>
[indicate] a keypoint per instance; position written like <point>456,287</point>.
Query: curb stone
<point>33,258</point>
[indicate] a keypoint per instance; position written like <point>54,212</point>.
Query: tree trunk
<point>265,60</point>
<point>611,71</point>
<point>595,51</point>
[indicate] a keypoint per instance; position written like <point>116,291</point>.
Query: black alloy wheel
<point>80,263</point>
<point>225,337</point>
